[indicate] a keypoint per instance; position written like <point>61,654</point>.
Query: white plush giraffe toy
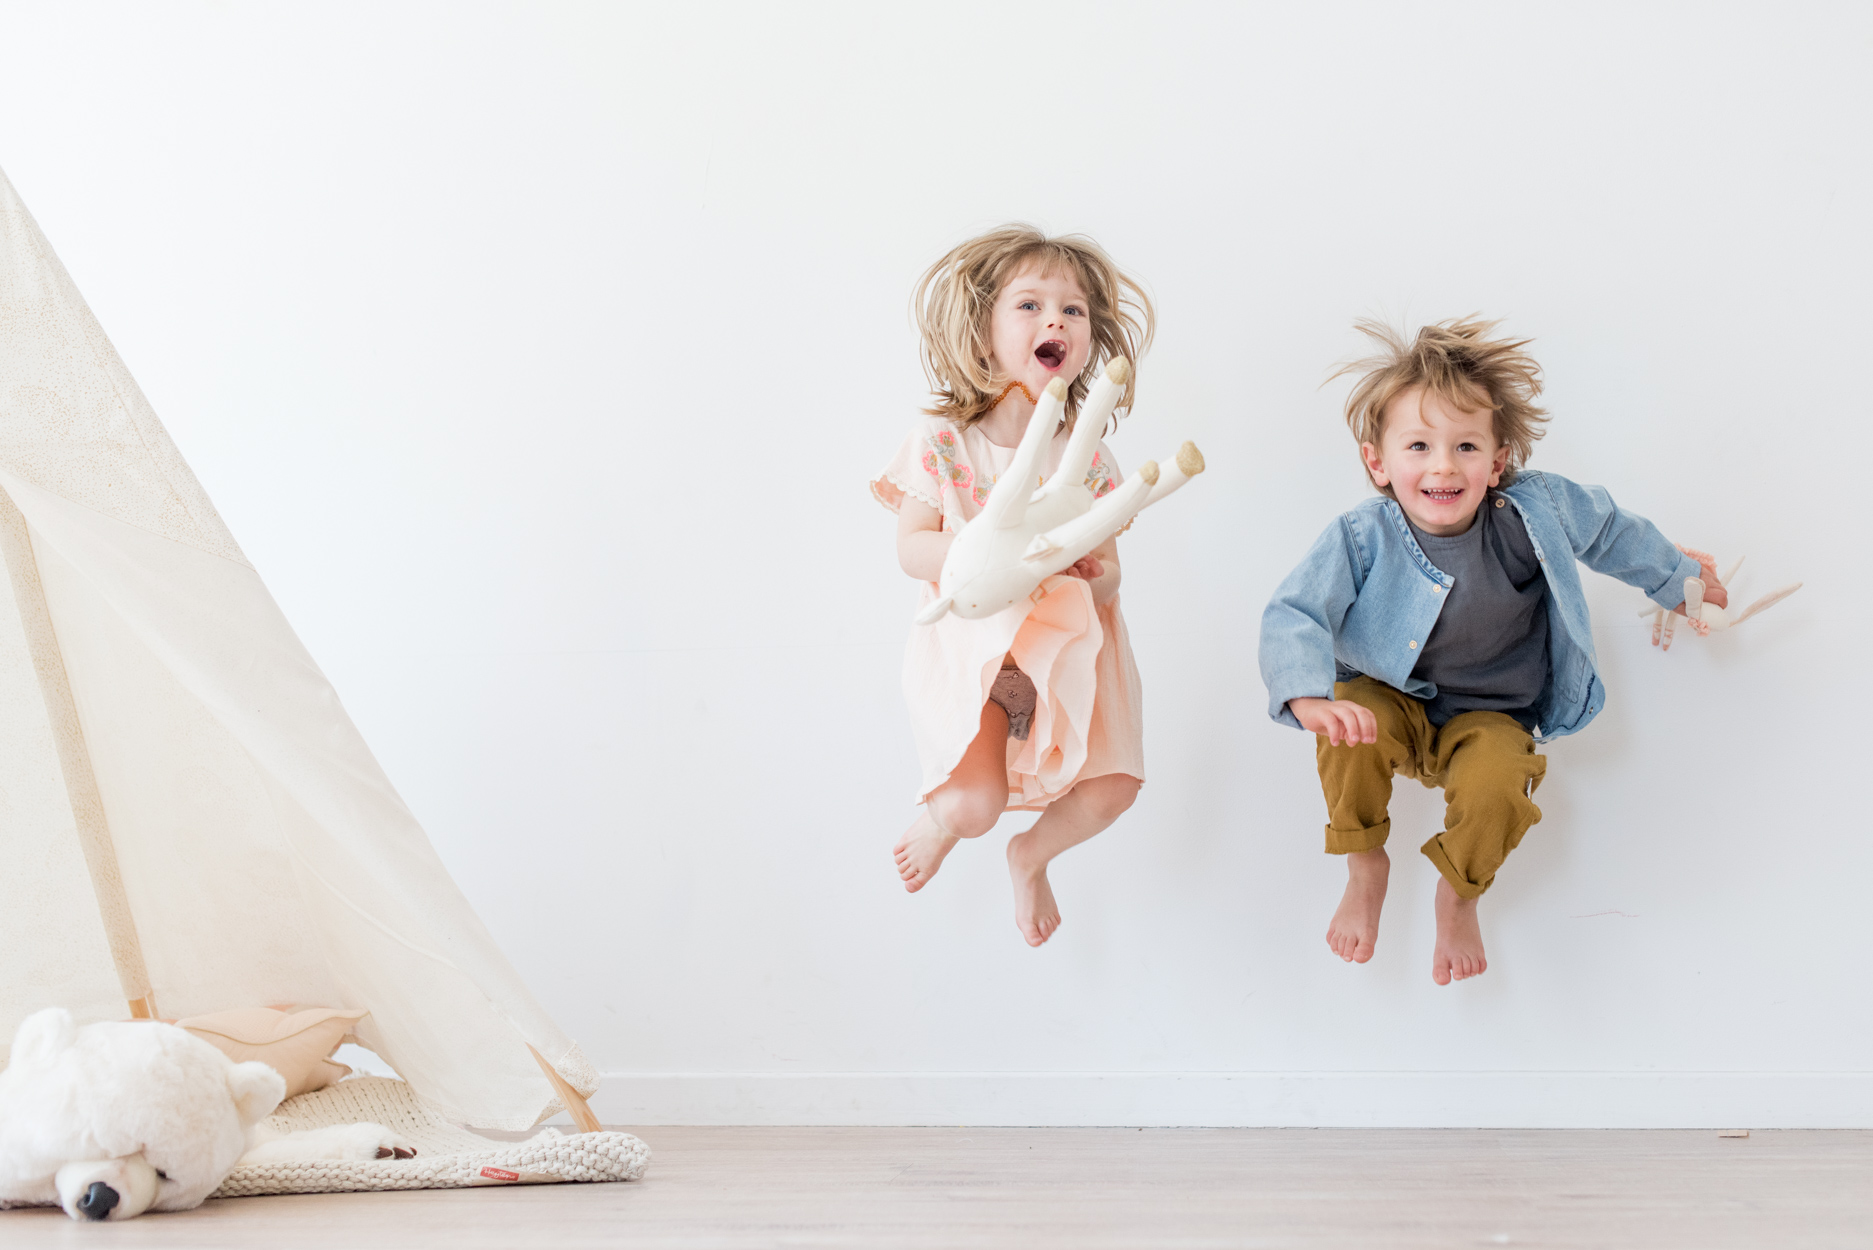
<point>1022,537</point>
<point>1702,615</point>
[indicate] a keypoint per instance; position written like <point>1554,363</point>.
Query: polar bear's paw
<point>339,1141</point>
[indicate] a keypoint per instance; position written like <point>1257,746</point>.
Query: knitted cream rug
<point>447,1157</point>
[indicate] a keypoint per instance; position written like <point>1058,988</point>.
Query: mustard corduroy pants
<point>1485,762</point>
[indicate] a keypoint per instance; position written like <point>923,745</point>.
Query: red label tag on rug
<point>500,1174</point>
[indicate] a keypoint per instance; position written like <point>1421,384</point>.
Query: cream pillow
<point>298,1045</point>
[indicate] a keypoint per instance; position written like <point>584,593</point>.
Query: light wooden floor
<point>1093,1189</point>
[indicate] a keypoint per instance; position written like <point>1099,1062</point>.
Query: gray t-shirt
<point>1489,648</point>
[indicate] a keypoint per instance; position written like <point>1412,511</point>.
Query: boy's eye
<point>1028,305</point>
<point>1466,447</point>
<point>1418,446</point>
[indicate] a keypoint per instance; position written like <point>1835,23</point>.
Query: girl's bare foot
<point>919,853</point>
<point>1459,952</point>
<point>1355,928</point>
<point>1036,913</point>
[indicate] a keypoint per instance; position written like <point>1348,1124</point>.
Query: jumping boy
<point>1440,632</point>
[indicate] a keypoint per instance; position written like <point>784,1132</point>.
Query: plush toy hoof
<point>1149,471</point>
<point>1118,369</point>
<point>1057,388</point>
<point>98,1202</point>
<point>1189,460</point>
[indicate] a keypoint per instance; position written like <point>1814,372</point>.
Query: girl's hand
<point>1337,720</point>
<point>1087,569</point>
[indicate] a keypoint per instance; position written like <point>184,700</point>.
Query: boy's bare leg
<point>1355,928</point>
<point>965,806</point>
<point>1069,820</point>
<point>1459,952</point>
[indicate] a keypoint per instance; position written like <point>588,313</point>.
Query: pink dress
<point>1089,716</point>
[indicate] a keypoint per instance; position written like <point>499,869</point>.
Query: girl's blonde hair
<point>956,297</point>
<point>1458,362</point>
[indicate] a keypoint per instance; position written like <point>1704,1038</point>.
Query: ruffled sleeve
<point>913,471</point>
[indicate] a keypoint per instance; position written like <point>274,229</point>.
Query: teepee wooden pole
<point>576,1105</point>
<point>81,783</point>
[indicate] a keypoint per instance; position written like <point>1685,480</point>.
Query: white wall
<point>539,356</point>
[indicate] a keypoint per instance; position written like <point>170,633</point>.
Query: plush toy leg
<point>1090,423</point>
<point>1063,544</point>
<point>1007,504</point>
<point>1766,602</point>
<point>1188,464</point>
<point>576,1105</point>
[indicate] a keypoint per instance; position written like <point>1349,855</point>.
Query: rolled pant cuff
<point>1344,842</point>
<point>1434,851</point>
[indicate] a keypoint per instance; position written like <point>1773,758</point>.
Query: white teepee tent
<point>188,820</point>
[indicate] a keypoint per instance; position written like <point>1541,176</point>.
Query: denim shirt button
<point>1413,644</point>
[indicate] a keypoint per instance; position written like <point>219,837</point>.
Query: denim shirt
<point>1366,597</point>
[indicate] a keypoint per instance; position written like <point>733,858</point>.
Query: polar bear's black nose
<point>98,1201</point>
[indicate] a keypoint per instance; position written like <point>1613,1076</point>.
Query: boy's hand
<point>1714,594</point>
<point>1707,569</point>
<point>1338,720</point>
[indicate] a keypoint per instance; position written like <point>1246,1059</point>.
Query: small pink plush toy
<point>1703,615</point>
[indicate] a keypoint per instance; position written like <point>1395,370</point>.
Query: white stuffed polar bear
<point>111,1120</point>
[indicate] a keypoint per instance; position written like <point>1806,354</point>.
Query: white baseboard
<point>1246,1099</point>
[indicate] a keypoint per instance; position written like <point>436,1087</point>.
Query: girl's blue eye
<point>1028,304</point>
<point>1075,310</point>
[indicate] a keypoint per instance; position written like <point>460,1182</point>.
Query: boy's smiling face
<point>1438,460</point>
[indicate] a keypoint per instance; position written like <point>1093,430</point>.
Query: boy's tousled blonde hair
<point>1458,362</point>
<point>956,296</point>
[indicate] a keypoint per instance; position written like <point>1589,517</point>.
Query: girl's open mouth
<point>1052,353</point>
<point>1442,494</point>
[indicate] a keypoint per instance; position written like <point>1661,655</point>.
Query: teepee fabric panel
<point>264,855</point>
<point>75,422</point>
<point>54,946</point>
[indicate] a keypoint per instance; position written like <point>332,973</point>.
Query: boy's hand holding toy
<point>1705,601</point>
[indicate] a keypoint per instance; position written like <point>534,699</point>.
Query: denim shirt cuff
<point>1296,684</point>
<point>1671,594</point>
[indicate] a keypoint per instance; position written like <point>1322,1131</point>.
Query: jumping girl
<point>1037,708</point>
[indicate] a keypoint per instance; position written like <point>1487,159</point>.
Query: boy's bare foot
<point>919,853</point>
<point>1459,952</point>
<point>1036,913</point>
<point>1355,928</point>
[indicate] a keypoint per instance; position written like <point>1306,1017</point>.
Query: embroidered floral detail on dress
<point>1099,477</point>
<point>940,462</point>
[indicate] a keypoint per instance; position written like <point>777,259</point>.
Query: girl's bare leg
<point>1069,820</point>
<point>965,806</point>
